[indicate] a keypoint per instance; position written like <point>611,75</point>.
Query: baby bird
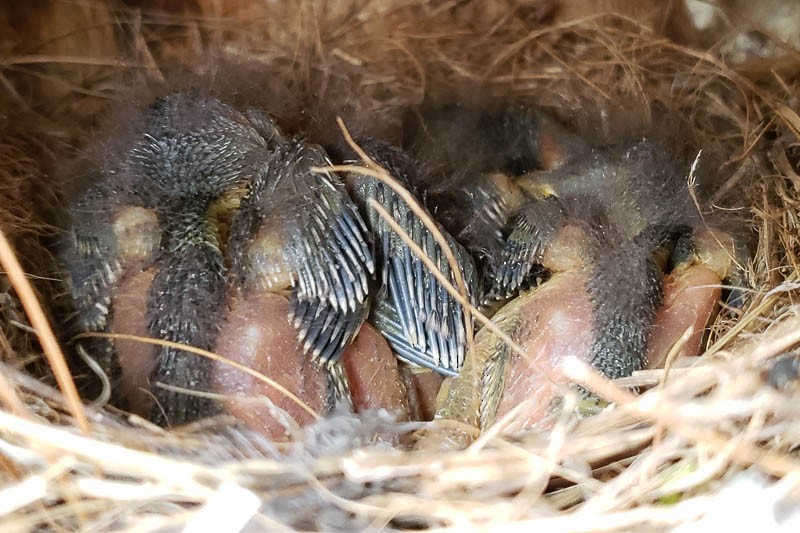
<point>164,209</point>
<point>298,231</point>
<point>150,210</point>
<point>629,202</point>
<point>616,231</point>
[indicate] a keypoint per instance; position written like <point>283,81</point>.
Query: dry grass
<point>702,438</point>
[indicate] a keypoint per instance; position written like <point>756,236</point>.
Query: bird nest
<point>708,443</point>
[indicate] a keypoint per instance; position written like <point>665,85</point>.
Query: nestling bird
<point>474,156</point>
<point>163,210</point>
<point>616,230</point>
<point>298,231</point>
<point>275,249</point>
<point>149,211</point>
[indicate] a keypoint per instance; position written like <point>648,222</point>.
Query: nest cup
<point>697,433</point>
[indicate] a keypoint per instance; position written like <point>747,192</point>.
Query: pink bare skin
<point>136,359</point>
<point>691,293</point>
<point>549,323</point>
<point>557,324</point>
<point>375,380</point>
<point>690,299</point>
<point>257,334</point>
<point>552,323</point>
<point>426,386</point>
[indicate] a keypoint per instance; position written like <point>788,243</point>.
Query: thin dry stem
<point>382,175</point>
<point>214,357</point>
<point>44,332</point>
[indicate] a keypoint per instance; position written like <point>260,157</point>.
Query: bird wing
<point>422,321</point>
<point>313,240</point>
<point>90,258</point>
<point>530,231</point>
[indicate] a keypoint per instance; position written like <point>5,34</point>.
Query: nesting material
<point>703,435</point>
